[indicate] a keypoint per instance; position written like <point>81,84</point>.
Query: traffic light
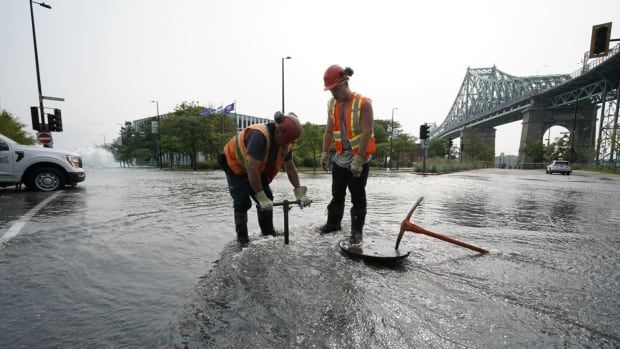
<point>34,115</point>
<point>424,131</point>
<point>51,123</point>
<point>599,43</point>
<point>55,121</point>
<point>58,119</point>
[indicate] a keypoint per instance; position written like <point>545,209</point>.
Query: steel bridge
<point>489,97</point>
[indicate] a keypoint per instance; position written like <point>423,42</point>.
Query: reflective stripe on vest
<point>352,121</point>
<point>237,153</point>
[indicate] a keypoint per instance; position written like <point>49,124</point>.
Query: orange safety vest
<point>352,122</point>
<point>237,155</point>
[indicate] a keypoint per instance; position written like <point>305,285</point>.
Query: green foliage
<point>11,127</point>
<point>438,147</point>
<point>559,149</point>
<point>476,149</point>
<point>402,148</point>
<point>219,130</point>
<point>381,129</point>
<point>451,165</point>
<point>187,132</point>
<point>535,149</point>
<point>307,151</point>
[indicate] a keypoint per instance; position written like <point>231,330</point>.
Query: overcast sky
<point>110,58</point>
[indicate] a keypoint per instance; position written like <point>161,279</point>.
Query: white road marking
<point>17,227</point>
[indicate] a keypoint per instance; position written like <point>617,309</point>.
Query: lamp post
<point>36,56</point>
<point>283,58</point>
<point>158,135</point>
<point>392,136</point>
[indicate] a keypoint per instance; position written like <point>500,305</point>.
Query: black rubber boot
<point>265,222</point>
<point>357,225</point>
<point>334,217</point>
<point>241,227</point>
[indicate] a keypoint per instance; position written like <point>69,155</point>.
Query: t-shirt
<point>256,143</point>
<point>344,159</point>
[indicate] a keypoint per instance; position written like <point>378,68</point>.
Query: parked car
<point>42,169</point>
<point>559,166</point>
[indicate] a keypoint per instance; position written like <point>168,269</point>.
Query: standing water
<point>147,258</point>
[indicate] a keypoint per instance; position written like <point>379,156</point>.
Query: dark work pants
<point>241,192</point>
<point>342,178</point>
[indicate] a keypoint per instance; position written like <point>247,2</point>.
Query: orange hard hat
<point>289,125</point>
<point>334,75</point>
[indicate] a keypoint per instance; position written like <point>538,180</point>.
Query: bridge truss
<point>490,93</point>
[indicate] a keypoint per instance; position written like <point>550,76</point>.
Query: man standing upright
<point>350,127</point>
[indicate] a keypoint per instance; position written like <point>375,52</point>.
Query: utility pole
<point>283,58</point>
<point>158,135</point>
<point>392,136</point>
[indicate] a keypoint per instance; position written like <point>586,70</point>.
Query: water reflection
<point>146,258</point>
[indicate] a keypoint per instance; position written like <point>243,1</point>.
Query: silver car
<point>559,166</point>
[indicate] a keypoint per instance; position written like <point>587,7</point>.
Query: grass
<point>602,169</point>
<point>452,165</point>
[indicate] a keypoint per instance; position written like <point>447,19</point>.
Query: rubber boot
<point>241,227</point>
<point>357,225</point>
<point>334,217</point>
<point>265,222</point>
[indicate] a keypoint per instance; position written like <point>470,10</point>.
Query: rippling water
<point>144,258</point>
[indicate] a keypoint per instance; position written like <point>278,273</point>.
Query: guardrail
<point>597,61</point>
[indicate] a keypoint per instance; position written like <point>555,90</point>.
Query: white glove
<point>300,195</point>
<point>357,164</point>
<point>325,160</point>
<point>263,201</point>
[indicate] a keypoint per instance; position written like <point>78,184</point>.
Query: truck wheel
<point>46,179</point>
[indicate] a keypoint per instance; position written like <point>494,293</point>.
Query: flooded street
<point>146,258</point>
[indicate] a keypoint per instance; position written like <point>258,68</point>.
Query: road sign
<point>60,99</point>
<point>45,138</point>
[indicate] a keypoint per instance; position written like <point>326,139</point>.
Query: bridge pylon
<point>580,120</point>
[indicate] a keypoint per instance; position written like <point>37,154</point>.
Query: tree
<point>403,148</point>
<point>186,131</point>
<point>439,147</point>
<point>11,127</point>
<point>381,129</point>
<point>559,149</point>
<point>309,146</point>
<point>475,147</point>
<point>220,129</point>
<point>535,149</point>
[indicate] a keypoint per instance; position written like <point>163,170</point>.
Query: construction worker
<point>350,127</point>
<point>251,161</point>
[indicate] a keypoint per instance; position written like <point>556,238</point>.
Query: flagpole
<point>236,118</point>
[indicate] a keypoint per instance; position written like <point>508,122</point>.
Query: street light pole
<point>158,134</point>
<point>392,136</point>
<point>283,58</point>
<point>36,56</point>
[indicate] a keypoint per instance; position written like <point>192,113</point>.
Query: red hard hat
<point>333,75</point>
<point>290,126</point>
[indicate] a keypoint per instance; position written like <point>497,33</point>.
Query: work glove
<point>325,160</point>
<point>263,201</point>
<point>300,195</point>
<point>357,164</point>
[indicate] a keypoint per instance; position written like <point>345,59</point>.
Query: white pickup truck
<point>39,168</point>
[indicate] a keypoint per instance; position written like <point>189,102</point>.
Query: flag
<point>229,108</point>
<point>219,109</point>
<point>207,111</point>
